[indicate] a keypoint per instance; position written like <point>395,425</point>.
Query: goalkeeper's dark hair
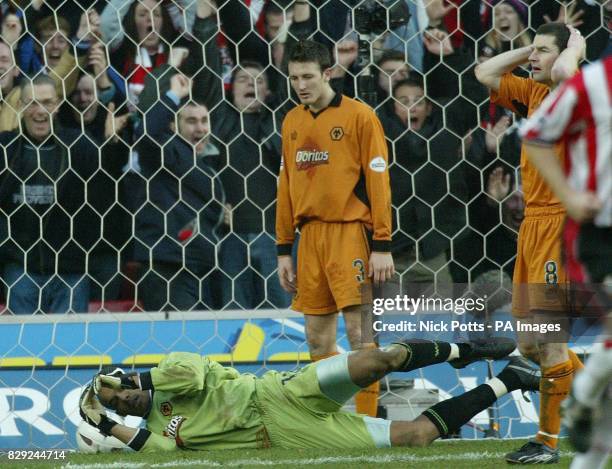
<point>559,31</point>
<point>308,51</point>
<point>110,370</point>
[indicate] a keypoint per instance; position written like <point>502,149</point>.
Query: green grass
<point>481,454</point>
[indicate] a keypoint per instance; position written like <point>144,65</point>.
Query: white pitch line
<point>471,456</point>
<point>369,459</point>
<point>113,465</point>
<point>139,465</point>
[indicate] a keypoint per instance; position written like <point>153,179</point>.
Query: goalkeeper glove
<point>93,412</point>
<point>116,379</point>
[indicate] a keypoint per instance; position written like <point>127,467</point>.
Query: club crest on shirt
<point>336,133</point>
<point>165,408</point>
<point>307,158</point>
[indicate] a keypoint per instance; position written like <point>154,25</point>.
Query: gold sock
<point>366,400</point>
<point>316,358</point>
<point>554,387</point>
<point>576,363</point>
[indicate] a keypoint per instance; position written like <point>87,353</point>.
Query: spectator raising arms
<point>42,183</point>
<point>177,227</point>
<point>140,34</point>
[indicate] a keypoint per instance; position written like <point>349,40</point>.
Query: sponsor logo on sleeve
<point>378,164</point>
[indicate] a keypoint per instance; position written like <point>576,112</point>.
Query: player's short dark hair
<point>412,81</point>
<point>310,51</point>
<point>559,31</point>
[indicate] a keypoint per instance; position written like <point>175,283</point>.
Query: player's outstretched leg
<point>341,376</point>
<point>448,416</point>
<point>421,353</point>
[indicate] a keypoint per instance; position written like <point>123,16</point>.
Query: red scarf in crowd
<point>137,69</point>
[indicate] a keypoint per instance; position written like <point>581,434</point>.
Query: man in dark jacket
<point>248,254</point>
<point>176,229</point>
<point>84,111</point>
<point>429,190</point>
<point>44,232</point>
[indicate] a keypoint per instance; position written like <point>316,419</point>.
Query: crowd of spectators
<point>140,143</point>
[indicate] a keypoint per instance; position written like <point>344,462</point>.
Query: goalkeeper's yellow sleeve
<point>179,372</point>
<point>184,373</point>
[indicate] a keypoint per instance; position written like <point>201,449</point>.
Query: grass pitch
<point>481,454</point>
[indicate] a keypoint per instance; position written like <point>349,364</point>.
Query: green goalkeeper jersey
<point>199,404</point>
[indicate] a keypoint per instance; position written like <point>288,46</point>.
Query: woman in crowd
<point>142,41</point>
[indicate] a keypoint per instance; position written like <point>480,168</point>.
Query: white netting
<point>170,204</point>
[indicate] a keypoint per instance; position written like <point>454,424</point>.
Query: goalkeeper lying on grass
<point>191,402</point>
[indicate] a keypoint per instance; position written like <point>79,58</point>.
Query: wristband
<point>127,382</point>
<point>139,439</point>
<point>106,425</point>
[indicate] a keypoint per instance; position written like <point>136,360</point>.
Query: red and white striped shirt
<point>579,113</point>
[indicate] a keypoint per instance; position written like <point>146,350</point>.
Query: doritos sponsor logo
<point>165,408</point>
<point>305,159</point>
<point>378,164</point>
<point>172,429</point>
